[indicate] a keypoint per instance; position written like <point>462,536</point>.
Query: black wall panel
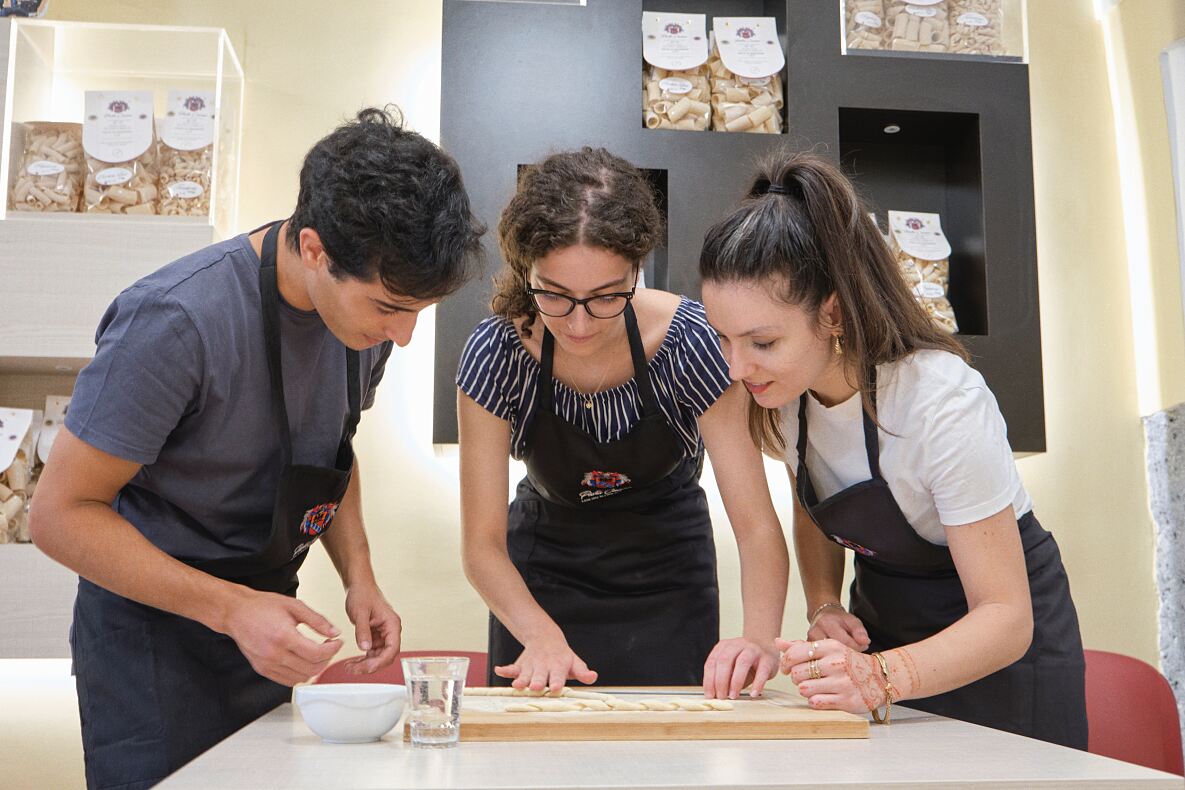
<point>521,80</point>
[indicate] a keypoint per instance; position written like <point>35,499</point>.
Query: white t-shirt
<point>949,462</point>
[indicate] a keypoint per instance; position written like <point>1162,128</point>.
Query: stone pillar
<point>1164,434</point>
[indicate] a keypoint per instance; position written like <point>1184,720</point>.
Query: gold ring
<point>814,669</point>
<point>810,653</point>
<point>815,645</point>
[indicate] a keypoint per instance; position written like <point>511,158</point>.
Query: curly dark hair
<point>388,203</point>
<point>586,197</point>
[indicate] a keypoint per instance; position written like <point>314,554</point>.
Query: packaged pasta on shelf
<point>675,88</point>
<point>917,25</point>
<point>977,27</point>
<point>746,65</point>
<point>923,253</point>
<point>864,24</point>
<point>117,135</point>
<point>49,174</point>
<point>186,154</point>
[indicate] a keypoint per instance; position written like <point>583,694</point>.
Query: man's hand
<point>263,625</point>
<point>376,626</point>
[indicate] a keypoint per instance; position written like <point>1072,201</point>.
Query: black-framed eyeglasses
<point>557,305</point>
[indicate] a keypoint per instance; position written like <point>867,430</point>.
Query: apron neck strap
<point>269,294</point>
<point>637,354</point>
<point>871,443</point>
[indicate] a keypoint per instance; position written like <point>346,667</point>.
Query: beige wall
<point>1110,299</point>
<point>306,71</point>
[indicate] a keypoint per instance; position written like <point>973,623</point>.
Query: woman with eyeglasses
<point>604,568</point>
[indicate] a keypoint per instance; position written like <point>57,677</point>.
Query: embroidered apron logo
<point>603,484</point>
<point>316,519</point>
<point>856,547</point>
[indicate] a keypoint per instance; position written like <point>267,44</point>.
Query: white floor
<point>41,744</point>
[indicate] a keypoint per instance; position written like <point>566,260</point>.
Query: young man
<point>208,445</point>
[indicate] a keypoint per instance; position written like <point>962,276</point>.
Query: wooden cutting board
<point>776,716</point>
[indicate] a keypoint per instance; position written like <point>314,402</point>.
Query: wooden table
<point>278,750</point>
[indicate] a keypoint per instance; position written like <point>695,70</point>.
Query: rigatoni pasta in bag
<point>49,174</point>
<point>864,24</point>
<point>923,253</point>
<point>976,27</point>
<point>745,65</point>
<point>675,88</point>
<point>117,136</point>
<point>186,154</point>
<point>917,25</point>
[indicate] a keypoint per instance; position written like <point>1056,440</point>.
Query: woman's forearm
<point>985,640</point>
<point>491,572</point>
<point>820,562</point>
<point>765,573</point>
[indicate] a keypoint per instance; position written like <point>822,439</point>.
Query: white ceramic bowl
<point>351,712</point>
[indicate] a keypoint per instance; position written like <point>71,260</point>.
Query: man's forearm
<point>104,548</point>
<point>345,540</point>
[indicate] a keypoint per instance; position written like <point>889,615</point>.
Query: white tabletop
<point>278,750</point>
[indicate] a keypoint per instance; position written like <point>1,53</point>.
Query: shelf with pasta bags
<point>66,254</point>
<point>990,31</point>
<point>926,163</point>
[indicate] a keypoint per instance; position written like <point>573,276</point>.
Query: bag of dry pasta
<point>864,24</point>
<point>917,25</point>
<point>117,136</point>
<point>745,64</point>
<point>49,175</point>
<point>976,27</point>
<point>186,154</point>
<point>675,90</point>
<point>923,253</point>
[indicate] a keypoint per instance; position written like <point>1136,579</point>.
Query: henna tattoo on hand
<point>864,675</point>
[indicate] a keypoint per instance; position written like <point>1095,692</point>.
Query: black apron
<point>907,589</point>
<point>154,689</point>
<point>614,541</point>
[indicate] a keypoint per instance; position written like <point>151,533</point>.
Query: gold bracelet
<point>820,608</point>
<point>889,691</point>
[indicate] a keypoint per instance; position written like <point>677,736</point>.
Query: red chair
<point>338,673</point>
<point>1131,712</point>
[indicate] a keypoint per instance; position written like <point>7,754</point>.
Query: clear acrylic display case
<point>50,65</point>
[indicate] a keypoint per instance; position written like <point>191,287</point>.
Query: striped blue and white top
<point>688,371</point>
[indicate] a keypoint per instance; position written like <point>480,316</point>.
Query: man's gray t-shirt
<point>180,385</point>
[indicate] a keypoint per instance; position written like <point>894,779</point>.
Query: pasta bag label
<point>749,46</point>
<point>918,10</point>
<point>676,42</point>
<point>118,125</point>
<point>973,20</point>
<point>188,123</point>
<point>919,235</point>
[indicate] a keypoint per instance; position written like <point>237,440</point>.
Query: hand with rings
<point>832,676</point>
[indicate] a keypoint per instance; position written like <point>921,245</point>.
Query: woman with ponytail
<point>604,568</point>
<point>898,452</point>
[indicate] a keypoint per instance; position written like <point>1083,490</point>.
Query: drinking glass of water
<point>434,686</point>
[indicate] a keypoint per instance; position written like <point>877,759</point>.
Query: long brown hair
<point>586,197</point>
<point>812,237</point>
